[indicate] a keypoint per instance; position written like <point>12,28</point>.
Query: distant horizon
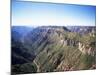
<point>52,25</point>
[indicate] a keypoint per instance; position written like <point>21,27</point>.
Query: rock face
<point>86,49</point>
<point>54,48</point>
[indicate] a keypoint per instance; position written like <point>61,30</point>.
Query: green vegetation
<point>58,50</point>
<point>24,68</point>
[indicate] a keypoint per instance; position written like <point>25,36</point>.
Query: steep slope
<point>58,48</point>
<point>20,54</point>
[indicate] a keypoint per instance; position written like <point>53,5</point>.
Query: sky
<point>37,14</point>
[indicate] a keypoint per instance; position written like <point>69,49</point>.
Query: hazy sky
<point>37,14</point>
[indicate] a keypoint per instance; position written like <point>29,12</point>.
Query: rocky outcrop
<point>86,49</point>
<point>68,42</point>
